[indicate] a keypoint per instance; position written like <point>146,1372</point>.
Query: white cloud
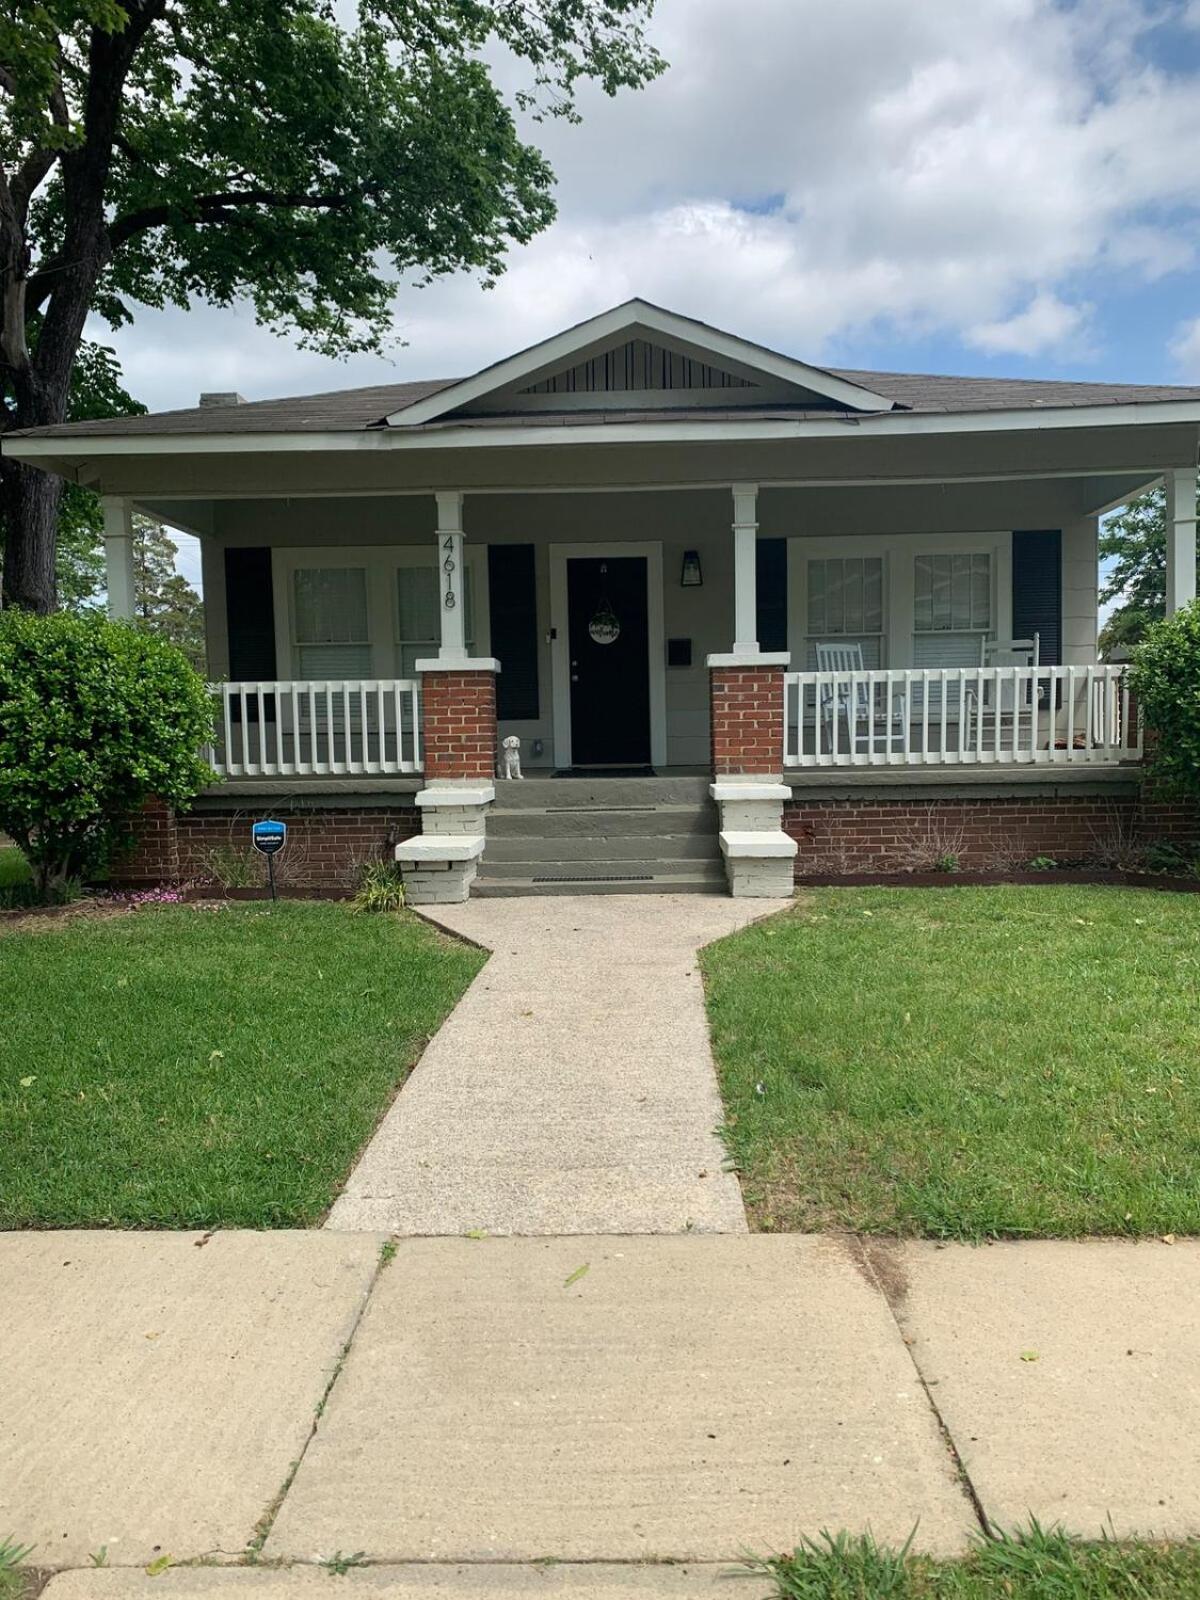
<point>805,173</point>
<point>1046,324</point>
<point>1185,349</point>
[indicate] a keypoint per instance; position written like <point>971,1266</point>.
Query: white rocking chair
<point>999,700</point>
<point>850,701</point>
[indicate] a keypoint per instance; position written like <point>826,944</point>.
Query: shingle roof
<point>355,410</point>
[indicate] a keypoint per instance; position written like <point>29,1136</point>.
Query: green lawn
<point>965,1062</point>
<point>1032,1565</point>
<point>184,1067</point>
<point>16,880</point>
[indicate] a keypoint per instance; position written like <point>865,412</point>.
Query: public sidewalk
<point>604,1402</point>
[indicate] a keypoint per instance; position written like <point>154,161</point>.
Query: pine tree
<point>166,602</point>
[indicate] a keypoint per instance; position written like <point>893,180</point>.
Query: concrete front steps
<point>602,836</point>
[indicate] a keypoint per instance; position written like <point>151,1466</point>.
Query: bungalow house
<point>741,612</point>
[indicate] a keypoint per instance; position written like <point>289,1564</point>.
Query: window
<point>952,600</point>
<point>845,602</point>
<point>329,619</point>
<point>418,621</point>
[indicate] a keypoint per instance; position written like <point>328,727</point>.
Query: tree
<point>95,717</point>
<point>165,150</point>
<point>1135,540</point>
<point>96,391</point>
<point>166,603</point>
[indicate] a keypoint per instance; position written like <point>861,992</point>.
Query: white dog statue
<point>510,757</point>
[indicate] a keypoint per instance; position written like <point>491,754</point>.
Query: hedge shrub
<point>1165,676</point>
<point>95,718</point>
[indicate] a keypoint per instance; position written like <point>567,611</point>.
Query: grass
<point>191,1068</point>
<point>1034,1564</point>
<point>965,1062</point>
<point>16,1582</point>
<point>16,880</point>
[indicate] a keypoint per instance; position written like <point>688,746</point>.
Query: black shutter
<point>513,596</point>
<point>250,613</point>
<point>771,567</point>
<point>1037,590</point>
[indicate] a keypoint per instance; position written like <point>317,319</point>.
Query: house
<point>741,611</point>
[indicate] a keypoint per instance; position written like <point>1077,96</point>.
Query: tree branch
<point>221,208</point>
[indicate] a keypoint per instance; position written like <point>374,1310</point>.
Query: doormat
<point>604,772</point>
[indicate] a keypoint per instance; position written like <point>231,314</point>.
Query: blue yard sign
<point>268,838</point>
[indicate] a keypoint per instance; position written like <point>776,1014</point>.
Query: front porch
<point>624,660</point>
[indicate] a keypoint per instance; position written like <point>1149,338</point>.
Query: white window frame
<point>839,554</point>
<point>381,563</point>
<point>899,551</point>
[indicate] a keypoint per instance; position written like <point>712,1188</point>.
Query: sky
<point>1004,187</point>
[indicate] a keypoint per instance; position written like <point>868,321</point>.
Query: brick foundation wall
<point>746,720</point>
<point>326,845</point>
<point>460,724</point>
<point>994,833</point>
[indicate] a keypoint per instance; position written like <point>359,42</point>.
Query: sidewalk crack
<point>262,1528</point>
<point>879,1266</point>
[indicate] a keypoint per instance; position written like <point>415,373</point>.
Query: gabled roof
<point>752,385</point>
<point>749,366</point>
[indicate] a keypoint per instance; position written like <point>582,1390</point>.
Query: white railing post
<point>320,728</point>
<point>858,718</point>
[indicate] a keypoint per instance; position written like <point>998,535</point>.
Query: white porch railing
<point>959,716</point>
<point>356,727</point>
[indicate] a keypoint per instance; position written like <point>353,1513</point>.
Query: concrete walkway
<point>469,1409</point>
<point>572,1091</point>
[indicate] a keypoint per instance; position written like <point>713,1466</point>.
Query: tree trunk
<point>29,508</point>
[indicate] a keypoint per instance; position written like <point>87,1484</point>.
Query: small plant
<point>1164,855</point>
<point>1042,864</point>
<point>340,1565</point>
<point>839,1564</point>
<point>380,887</point>
<point>947,863</point>
<point>12,1580</point>
<point>233,867</point>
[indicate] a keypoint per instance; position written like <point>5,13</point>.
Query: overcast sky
<point>984,186</point>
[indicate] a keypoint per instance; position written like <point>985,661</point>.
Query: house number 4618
<point>449,567</point>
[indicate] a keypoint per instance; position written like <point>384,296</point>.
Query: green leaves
<point>95,718</point>
<point>1165,677</point>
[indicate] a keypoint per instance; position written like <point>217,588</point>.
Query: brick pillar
<point>153,856</point>
<point>460,723</point>
<point>746,719</point>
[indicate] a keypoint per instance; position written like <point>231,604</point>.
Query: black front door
<point>609,635</point>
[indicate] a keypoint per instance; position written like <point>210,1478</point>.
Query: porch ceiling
<point>294,516</point>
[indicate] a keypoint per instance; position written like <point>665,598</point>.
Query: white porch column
<point>1080,590</point>
<point>1181,537</point>
<point>745,569</point>
<point>453,644</point>
<point>118,557</point>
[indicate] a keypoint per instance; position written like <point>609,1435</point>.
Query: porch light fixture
<point>690,576</point>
